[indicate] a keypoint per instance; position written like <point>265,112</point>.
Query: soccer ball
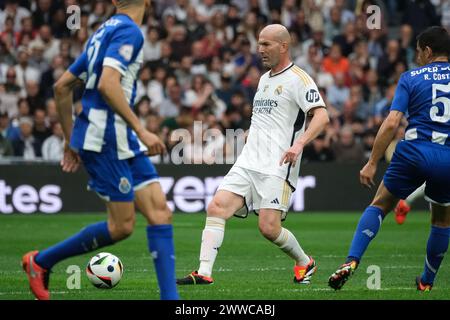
<point>104,270</point>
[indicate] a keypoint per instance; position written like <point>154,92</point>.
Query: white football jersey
<point>280,106</point>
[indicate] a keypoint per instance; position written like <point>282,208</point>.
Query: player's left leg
<point>368,226</point>
<point>269,224</point>
<point>437,245</point>
<point>151,201</point>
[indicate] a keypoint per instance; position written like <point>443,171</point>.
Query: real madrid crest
<point>278,90</point>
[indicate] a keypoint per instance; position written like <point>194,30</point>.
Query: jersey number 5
<point>445,117</point>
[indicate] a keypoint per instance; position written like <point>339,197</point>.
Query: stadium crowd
<point>201,64</point>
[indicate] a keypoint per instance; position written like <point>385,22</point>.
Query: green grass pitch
<point>248,266</point>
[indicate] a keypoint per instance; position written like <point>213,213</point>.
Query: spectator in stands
<point>420,14</point>
<point>25,72</point>
<point>41,130</point>
<point>407,44</point>
<point>178,10</point>
<point>386,64</point>
<point>51,111</point>
<point>12,9</point>
<point>383,107</point>
<point>306,61</point>
<point>226,89</point>
<point>43,13</point>
<point>51,44</point>
<point>143,109</point>
<point>371,90</point>
<point>6,149</point>
<point>335,62</point>
<point>5,126</point>
<point>333,25</point>
<point>349,117</point>
<point>318,150</point>
<point>171,106</point>
<point>368,141</point>
<point>27,146</point>
<point>152,45</point>
<point>53,146</point>
<point>50,76</point>
<point>338,93</point>
<point>347,149</point>
<point>179,43</point>
<point>218,40</point>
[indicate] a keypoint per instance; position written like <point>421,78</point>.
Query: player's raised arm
<point>111,89</point>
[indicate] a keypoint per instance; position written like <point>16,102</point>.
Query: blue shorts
<point>116,180</point>
<point>416,162</point>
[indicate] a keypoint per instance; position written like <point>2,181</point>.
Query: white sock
<point>287,242</point>
<point>419,192</point>
<point>212,238</point>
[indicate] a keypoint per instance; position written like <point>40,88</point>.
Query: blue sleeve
<point>79,67</point>
<point>124,46</point>
<point>401,98</point>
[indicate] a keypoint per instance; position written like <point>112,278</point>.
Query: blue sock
<point>436,248</point>
<point>367,229</point>
<point>160,245</point>
<point>88,239</point>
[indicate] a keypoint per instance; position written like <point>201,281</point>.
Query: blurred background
<point>201,64</point>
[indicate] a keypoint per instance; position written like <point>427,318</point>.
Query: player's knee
<point>214,209</point>
<point>121,230</point>
<point>163,216</point>
<point>268,230</point>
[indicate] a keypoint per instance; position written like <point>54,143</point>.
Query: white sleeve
<point>306,93</point>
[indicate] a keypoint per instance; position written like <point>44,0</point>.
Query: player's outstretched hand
<point>291,155</point>
<point>367,173</point>
<point>152,142</point>
<point>71,160</point>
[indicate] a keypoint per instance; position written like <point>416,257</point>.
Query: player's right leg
<point>437,192</point>
<point>223,205</point>
<point>400,180</point>
<point>437,245</point>
<point>110,179</point>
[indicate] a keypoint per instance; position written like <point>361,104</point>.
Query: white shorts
<point>260,191</point>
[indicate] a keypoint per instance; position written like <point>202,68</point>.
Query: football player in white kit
<point>266,172</point>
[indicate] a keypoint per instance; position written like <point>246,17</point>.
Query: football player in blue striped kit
<point>423,156</point>
<point>109,140</point>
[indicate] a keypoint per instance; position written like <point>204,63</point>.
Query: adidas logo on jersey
<point>275,201</point>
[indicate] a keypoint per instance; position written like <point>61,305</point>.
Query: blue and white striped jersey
<point>424,94</point>
<point>118,44</point>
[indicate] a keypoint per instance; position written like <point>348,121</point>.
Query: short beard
<point>270,65</point>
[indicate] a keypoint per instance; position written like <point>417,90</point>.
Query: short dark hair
<point>437,38</point>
